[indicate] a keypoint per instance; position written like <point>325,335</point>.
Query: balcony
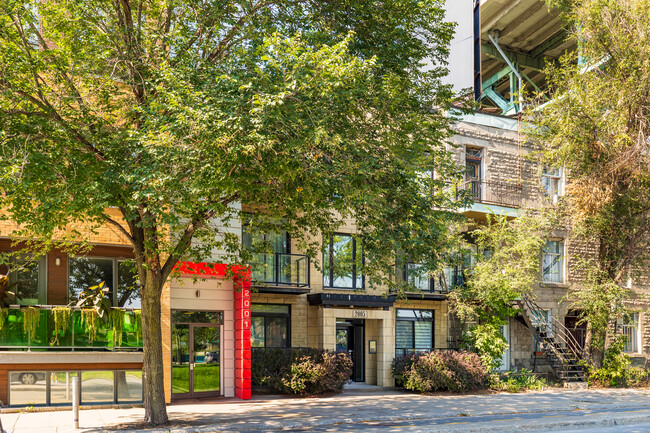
<point>499,193</point>
<point>281,273</point>
<point>56,328</point>
<point>432,288</point>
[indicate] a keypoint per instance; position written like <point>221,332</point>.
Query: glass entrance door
<point>206,354</point>
<point>196,355</point>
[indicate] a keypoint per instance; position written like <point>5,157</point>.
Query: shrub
<point>616,369</point>
<point>522,380</point>
<point>441,371</point>
<point>316,376</point>
<point>401,365</point>
<point>300,370</point>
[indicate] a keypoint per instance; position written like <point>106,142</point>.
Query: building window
<point>552,182</point>
<point>342,262</point>
<point>552,262</point>
<point>628,326</point>
<point>413,331</point>
<point>85,272</point>
<point>270,324</point>
<point>264,265</point>
<point>473,172</point>
<point>31,281</point>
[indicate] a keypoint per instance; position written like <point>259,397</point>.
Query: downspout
<point>494,36</point>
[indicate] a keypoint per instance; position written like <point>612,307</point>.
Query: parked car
<point>30,378</point>
<point>211,357</point>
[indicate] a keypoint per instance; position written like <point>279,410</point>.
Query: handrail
<point>300,278</point>
<point>564,335</point>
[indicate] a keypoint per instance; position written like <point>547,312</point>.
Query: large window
<point>552,262</point>
<point>29,276</point>
<point>552,182</point>
<point>85,272</point>
<point>263,266</point>
<point>270,325</point>
<point>413,331</point>
<point>342,262</point>
<point>629,326</point>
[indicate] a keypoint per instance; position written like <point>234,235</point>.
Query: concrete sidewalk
<point>275,413</point>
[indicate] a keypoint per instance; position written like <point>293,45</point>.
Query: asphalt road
<point>540,421</point>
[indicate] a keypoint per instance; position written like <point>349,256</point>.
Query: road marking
<point>403,426</point>
<point>551,416</point>
<point>459,422</point>
<point>509,419</point>
<point>638,410</point>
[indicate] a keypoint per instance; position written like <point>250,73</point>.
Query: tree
<point>597,128</point>
<point>173,112</point>
<point>507,267</point>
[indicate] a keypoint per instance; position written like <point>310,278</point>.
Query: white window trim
<point>562,255</point>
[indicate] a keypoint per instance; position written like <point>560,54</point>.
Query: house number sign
<point>360,314</point>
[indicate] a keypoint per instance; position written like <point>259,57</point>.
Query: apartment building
<point>210,323</point>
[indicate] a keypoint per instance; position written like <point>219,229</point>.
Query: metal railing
<point>281,269</point>
<point>47,330</point>
<point>440,283</point>
<point>500,193</point>
<point>553,327</point>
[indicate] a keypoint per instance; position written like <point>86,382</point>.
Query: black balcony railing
<point>281,269</point>
<point>499,193</point>
<point>442,283</point>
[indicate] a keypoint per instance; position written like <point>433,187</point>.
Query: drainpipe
<point>494,36</point>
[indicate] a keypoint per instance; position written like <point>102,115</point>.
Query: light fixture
<point>57,261</point>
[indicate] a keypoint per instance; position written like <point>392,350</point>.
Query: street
<point>370,411</point>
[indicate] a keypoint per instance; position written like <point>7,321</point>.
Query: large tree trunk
<point>155,411</point>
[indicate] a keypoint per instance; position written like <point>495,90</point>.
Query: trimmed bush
<point>440,371</point>
<point>300,370</point>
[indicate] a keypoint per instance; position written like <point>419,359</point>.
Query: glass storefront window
<point>27,388</point>
<point>97,387</point>
<point>129,386</point>
<point>61,386</point>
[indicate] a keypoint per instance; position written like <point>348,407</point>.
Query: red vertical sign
<point>242,338</point>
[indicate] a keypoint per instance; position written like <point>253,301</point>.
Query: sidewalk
<point>277,412</point>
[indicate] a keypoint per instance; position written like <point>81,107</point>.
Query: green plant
<point>31,318</point>
<point>300,370</point>
<point>327,373</point>
<point>91,321</point>
<point>117,323</point>
<point>4,312</point>
<point>96,297</point>
<point>616,365</point>
<point>517,381</point>
<point>442,371</point>
<point>62,317</point>
<point>487,341</point>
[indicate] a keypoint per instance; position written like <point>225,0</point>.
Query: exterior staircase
<point>559,346</point>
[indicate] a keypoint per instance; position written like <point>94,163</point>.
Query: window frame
<point>549,177</point>
<point>264,315</point>
<point>115,280</point>
<point>560,259</point>
<point>41,272</point>
<point>405,350</point>
<point>330,268</point>
<point>630,321</point>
